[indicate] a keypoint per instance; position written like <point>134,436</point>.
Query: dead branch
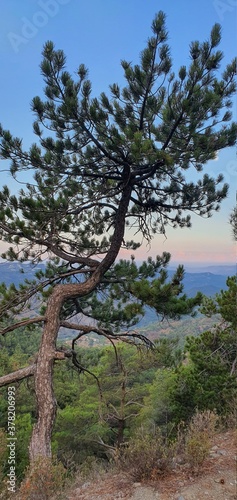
<point>125,337</point>
<point>10,378</point>
<point>24,322</point>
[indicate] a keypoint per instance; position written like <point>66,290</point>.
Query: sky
<point>99,33</point>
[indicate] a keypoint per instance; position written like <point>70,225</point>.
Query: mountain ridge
<point>209,283</point>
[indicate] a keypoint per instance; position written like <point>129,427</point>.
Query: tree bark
<point>40,444</point>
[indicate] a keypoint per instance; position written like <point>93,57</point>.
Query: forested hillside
<point>120,398</point>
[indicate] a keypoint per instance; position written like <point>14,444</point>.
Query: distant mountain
<point>179,328</point>
<point>208,283</point>
<point>14,272</point>
<point>223,269</point>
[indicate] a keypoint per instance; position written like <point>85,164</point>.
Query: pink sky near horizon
<point>208,241</point>
<point>191,256</point>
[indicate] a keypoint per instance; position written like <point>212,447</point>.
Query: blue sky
<point>99,33</point>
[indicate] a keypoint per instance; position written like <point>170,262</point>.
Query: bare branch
<point>125,337</point>
<point>25,322</point>
<point>81,368</point>
<point>10,378</point>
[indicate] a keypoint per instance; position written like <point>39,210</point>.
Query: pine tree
<point>208,381</point>
<point>233,222</point>
<point>107,164</point>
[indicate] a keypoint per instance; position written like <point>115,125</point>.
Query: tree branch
<point>125,337</point>
<point>24,322</point>
<point>10,378</point>
<point>148,86</point>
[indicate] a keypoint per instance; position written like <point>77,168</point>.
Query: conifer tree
<point>106,165</point>
<point>233,222</point>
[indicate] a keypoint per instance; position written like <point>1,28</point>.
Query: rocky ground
<point>215,481</point>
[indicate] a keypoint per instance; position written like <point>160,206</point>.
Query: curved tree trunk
<point>40,445</point>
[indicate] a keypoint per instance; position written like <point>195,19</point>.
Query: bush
<point>45,480</point>
<point>92,468</point>
<point>197,440</point>
<point>147,455</point>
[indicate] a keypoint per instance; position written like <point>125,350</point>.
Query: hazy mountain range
<point>208,280</point>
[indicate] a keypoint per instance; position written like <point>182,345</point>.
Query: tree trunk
<point>40,445</point>
<point>121,429</point>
